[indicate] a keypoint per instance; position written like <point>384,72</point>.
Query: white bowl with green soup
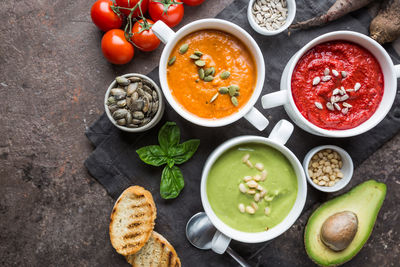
<point>253,188</point>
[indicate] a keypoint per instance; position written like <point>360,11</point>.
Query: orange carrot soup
<point>212,74</point>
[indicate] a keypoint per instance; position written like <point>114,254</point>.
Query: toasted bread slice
<point>132,220</point>
<point>157,252</point>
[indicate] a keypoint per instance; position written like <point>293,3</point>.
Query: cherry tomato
<point>167,11</point>
<point>116,48</point>
<point>104,17</point>
<point>131,4</point>
<point>143,37</point>
<point>193,2</point>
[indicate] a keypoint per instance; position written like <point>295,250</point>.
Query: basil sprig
<point>169,152</point>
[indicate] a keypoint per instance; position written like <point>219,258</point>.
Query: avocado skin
<point>372,187</point>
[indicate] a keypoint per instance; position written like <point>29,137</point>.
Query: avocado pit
<point>339,230</point>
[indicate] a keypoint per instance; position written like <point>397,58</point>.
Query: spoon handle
<point>237,257</point>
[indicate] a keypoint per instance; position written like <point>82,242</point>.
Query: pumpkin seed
<point>225,75</point>
<point>119,114</point>
<point>208,78</point>
<point>171,60</point>
<point>111,100</point>
<point>214,98</point>
<point>132,88</point>
<point>138,115</point>
<point>200,63</point>
<point>112,108</point>
<point>223,90</point>
<point>234,101</point>
<point>198,53</point>
<point>128,118</point>
<point>121,122</point>
<point>195,57</point>
<point>197,80</point>
<point>209,71</point>
<point>233,89</point>
<point>201,73</point>
<point>122,81</point>
<point>183,49</point>
<point>121,103</point>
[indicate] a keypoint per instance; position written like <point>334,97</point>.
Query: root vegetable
<point>385,27</point>
<point>337,10</point>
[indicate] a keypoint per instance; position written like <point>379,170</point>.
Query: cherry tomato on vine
<point>116,48</point>
<point>193,2</point>
<point>131,4</point>
<point>104,17</point>
<point>169,11</point>
<point>143,37</point>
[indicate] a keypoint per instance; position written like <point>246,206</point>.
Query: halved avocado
<point>365,200</point>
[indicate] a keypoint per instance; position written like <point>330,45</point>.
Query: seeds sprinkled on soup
<point>211,74</point>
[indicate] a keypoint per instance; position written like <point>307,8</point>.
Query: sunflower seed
<point>336,91</point>
<point>208,78</point>
<point>335,73</point>
<point>344,74</point>
<point>318,105</point>
<point>329,106</point>
<point>201,73</point>
<point>342,91</point>
<point>183,49</point>
<point>344,98</point>
<point>349,90</point>
<point>326,71</point>
<point>171,61</point>
<point>223,90</point>
<point>234,101</point>
<point>195,57</point>
<point>326,78</point>
<point>214,97</point>
<point>200,63</point>
<point>333,99</point>
<point>225,75</point>
<point>345,111</point>
<point>357,87</point>
<point>316,81</point>
<point>336,105</point>
<point>347,105</point>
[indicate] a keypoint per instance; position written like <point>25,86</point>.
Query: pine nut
<point>250,210</point>
<point>248,163</point>
<point>247,178</point>
<point>259,166</point>
<point>252,184</point>
<point>260,188</point>
<point>257,178</point>
<point>242,208</point>
<point>263,192</point>
<point>267,211</point>
<point>257,197</point>
<point>251,191</point>
<point>264,174</point>
<point>254,205</point>
<point>245,158</point>
<point>242,188</point>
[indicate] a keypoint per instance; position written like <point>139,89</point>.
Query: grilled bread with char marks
<point>132,220</point>
<point>157,252</point>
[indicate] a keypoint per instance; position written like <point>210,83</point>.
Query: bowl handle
<point>256,118</point>
<point>163,32</point>
<point>281,132</point>
<point>274,99</point>
<point>397,70</point>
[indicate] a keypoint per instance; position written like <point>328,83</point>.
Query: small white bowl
<point>157,117</point>
<point>291,6</point>
<point>347,168</point>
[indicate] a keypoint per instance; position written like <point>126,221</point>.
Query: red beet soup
<point>337,85</point>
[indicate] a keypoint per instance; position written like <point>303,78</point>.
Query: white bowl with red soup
<point>340,84</point>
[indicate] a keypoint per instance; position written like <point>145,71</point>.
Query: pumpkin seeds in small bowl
<point>134,103</point>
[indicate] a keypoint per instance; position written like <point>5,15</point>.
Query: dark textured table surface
<point>52,82</point>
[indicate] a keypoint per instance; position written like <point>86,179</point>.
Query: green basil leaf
<point>171,182</point>
<point>169,136</point>
<point>170,162</point>
<point>183,152</point>
<point>152,155</point>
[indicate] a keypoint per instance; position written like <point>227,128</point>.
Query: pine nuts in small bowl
<point>328,168</point>
<point>270,17</point>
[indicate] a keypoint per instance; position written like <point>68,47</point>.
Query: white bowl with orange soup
<point>224,48</point>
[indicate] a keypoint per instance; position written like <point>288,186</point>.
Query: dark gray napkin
<point>115,164</point>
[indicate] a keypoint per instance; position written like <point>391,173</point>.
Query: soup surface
<point>222,51</point>
<point>352,70</point>
<point>228,173</point>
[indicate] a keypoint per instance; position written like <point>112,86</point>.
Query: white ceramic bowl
<point>278,137</point>
<point>284,96</point>
<point>155,119</point>
<point>291,6</point>
<point>347,168</point>
<point>170,38</point>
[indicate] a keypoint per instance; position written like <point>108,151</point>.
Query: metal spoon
<point>200,232</point>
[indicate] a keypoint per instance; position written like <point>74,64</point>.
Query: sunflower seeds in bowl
<point>134,103</point>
